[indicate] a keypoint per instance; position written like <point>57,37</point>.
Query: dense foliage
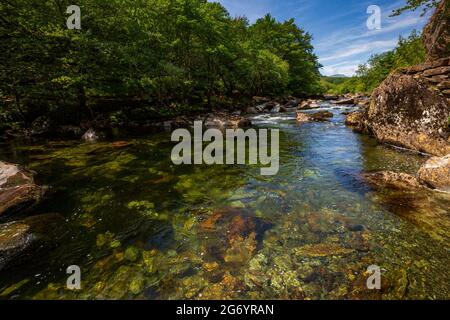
<point>409,52</point>
<point>415,4</point>
<point>143,58</point>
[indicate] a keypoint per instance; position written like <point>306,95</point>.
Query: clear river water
<point>142,228</point>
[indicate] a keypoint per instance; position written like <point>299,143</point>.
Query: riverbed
<point>141,227</point>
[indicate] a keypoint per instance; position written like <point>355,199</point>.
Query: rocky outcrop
<point>436,35</point>
<point>411,108</point>
<point>406,111</point>
<point>435,173</point>
<point>318,116</point>
<point>17,189</point>
<point>20,239</point>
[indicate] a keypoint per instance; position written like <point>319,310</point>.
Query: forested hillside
<point>409,52</point>
<point>143,59</point>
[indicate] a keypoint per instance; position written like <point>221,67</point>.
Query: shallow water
<point>142,228</point>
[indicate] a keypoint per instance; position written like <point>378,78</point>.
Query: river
<point>142,228</point>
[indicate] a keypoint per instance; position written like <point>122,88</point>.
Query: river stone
<point>436,173</point>
<point>391,180</point>
<point>17,189</point>
<point>21,239</point>
<point>321,116</point>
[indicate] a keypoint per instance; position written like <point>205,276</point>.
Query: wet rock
<point>435,173</point>
<point>290,104</point>
<point>284,109</point>
<point>391,180</point>
<point>92,136</point>
<point>236,233</point>
<point>309,104</point>
<point>345,101</point>
<point>17,189</point>
<point>321,116</point>
<point>225,121</point>
<point>251,110</point>
<point>260,100</point>
<point>276,109</point>
<point>318,116</point>
<point>302,117</point>
<point>20,240</point>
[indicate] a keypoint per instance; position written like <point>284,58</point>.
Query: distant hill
<point>338,76</point>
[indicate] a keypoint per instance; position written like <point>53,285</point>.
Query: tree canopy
<point>144,57</point>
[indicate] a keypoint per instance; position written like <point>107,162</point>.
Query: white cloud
<point>359,48</point>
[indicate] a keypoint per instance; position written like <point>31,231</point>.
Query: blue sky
<point>342,40</point>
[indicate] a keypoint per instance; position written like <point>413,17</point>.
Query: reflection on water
<point>143,228</point>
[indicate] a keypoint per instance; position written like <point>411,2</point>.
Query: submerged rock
<point>391,180</point>
<point>20,240</point>
<point>17,189</point>
<point>435,173</point>
<point>322,250</point>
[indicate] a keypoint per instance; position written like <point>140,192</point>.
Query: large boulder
<point>407,111</point>
<point>435,173</point>
<point>17,189</point>
<point>411,108</point>
<point>20,240</point>
<point>436,35</point>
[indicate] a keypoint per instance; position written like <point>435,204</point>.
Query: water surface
<point>142,228</point>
